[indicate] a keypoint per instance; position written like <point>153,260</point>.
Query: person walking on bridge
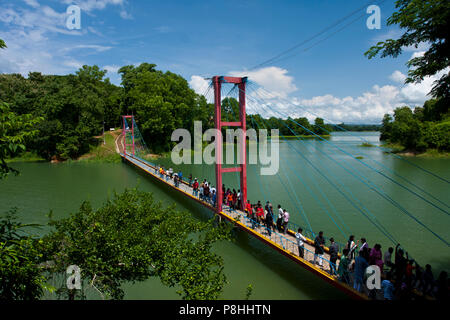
<point>214,198</point>
<point>230,200</point>
<point>200,191</point>
<point>206,193</point>
<point>375,257</point>
<point>300,242</point>
<point>175,180</point>
<point>343,272</point>
<point>248,209</point>
<point>319,242</point>
<point>351,246</point>
<point>388,259</point>
<point>269,210</point>
<point>239,200</point>
<point>259,214</point>
<point>361,265</point>
<point>234,199</point>
<point>364,244</point>
<point>195,188</point>
<point>334,253</point>
<point>280,218</point>
<point>285,220</point>
<point>269,220</point>
<point>213,190</point>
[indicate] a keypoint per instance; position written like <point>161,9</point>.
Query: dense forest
<point>423,128</point>
<point>356,127</point>
<point>75,108</point>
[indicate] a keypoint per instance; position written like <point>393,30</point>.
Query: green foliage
<point>73,108</point>
<point>20,276</point>
<point>418,130</point>
<point>424,21</point>
<point>356,127</point>
<point>15,131</point>
<point>132,238</point>
<point>161,103</point>
<point>288,127</point>
<point>248,292</point>
<point>2,44</point>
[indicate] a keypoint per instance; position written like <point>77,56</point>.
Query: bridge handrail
<point>281,236</point>
<point>313,234</point>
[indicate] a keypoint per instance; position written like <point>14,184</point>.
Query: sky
<point>328,76</point>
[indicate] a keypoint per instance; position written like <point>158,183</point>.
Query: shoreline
<point>429,154</point>
<point>108,153</point>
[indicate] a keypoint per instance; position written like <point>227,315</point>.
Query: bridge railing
<point>286,243</point>
<point>312,235</point>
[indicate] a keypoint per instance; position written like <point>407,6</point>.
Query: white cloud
<point>199,84</point>
<point>95,47</point>
<point>90,5</point>
<point>125,15</point>
<point>73,64</point>
<point>418,54</point>
<point>273,79</point>
<point>369,107</point>
<point>112,74</point>
<point>111,69</point>
<point>30,33</point>
<point>32,3</point>
<point>397,76</point>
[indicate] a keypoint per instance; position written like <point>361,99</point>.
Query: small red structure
<point>126,129</point>
<point>218,123</point>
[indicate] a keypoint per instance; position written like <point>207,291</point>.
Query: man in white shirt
<point>285,220</point>
<point>280,218</point>
<point>300,242</point>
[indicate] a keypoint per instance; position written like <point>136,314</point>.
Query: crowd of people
<point>402,277</point>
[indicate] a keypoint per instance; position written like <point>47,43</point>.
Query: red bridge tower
<point>218,123</point>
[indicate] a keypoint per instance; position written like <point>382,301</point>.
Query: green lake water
<point>62,187</point>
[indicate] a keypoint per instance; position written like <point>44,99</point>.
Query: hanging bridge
<point>133,150</point>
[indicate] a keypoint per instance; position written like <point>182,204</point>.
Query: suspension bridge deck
<point>285,244</point>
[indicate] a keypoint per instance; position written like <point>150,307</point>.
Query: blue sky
<point>199,39</point>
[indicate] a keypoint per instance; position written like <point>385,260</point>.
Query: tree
<point>73,107</point>
<point>161,103</point>
<point>15,130</point>
<point>20,276</point>
<point>386,127</point>
<point>417,130</point>
<point>131,238</point>
<point>320,127</point>
<point>425,22</point>
<point>2,44</point>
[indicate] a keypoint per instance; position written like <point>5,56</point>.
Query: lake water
<point>319,172</point>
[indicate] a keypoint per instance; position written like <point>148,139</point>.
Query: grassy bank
<point>26,157</point>
<point>105,151</point>
<point>402,151</point>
